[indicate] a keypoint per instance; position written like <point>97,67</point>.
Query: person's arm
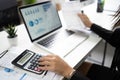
<point>105,34</point>
<point>111,37</point>
<point>78,76</point>
<point>58,65</point>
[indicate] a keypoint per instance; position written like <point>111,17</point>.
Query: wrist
<point>89,25</point>
<point>69,74</point>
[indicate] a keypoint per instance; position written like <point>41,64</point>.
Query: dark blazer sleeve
<point>112,37</point>
<point>78,76</point>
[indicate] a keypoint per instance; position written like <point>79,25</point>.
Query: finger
<point>45,63</point>
<point>80,15</point>
<point>50,55</point>
<point>50,68</point>
<point>47,58</point>
<point>43,67</point>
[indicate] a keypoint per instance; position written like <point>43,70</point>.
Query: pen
<point>3,53</point>
<point>82,12</point>
<point>22,76</point>
<point>45,73</point>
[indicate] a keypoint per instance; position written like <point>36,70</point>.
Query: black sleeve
<point>78,76</point>
<point>112,37</point>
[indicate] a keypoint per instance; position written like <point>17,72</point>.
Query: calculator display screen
<point>25,58</point>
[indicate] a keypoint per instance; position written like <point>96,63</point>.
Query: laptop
<point>45,29</point>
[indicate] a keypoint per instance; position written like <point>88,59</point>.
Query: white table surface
<point>77,55</point>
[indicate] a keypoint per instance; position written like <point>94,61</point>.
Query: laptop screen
<point>40,19</point>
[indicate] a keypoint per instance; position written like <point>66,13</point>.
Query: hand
<point>58,6</point>
<point>56,64</point>
<point>85,20</point>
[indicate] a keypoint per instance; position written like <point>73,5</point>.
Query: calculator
<point>29,61</point>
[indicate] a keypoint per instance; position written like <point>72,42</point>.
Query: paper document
<point>9,57</point>
<point>72,20</point>
<point>10,74</point>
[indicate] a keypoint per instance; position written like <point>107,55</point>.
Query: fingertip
<point>42,68</point>
<point>41,58</point>
<point>78,14</point>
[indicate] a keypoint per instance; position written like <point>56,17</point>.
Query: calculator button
<point>37,62</point>
<point>32,68</point>
<point>31,64</point>
<point>29,67</point>
<point>31,61</point>
<point>35,65</point>
<point>39,70</point>
<point>35,59</point>
<point>36,69</point>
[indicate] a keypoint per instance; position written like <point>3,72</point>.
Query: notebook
<point>45,29</point>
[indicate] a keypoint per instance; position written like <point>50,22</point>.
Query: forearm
<point>104,33</point>
<point>78,76</point>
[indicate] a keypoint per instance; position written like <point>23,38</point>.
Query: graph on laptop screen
<point>40,19</point>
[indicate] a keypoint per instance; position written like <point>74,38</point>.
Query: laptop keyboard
<point>49,41</point>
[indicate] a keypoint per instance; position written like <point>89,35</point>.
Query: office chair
<point>8,13</point>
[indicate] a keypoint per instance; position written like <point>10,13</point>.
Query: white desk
<point>77,55</point>
<point>102,19</point>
